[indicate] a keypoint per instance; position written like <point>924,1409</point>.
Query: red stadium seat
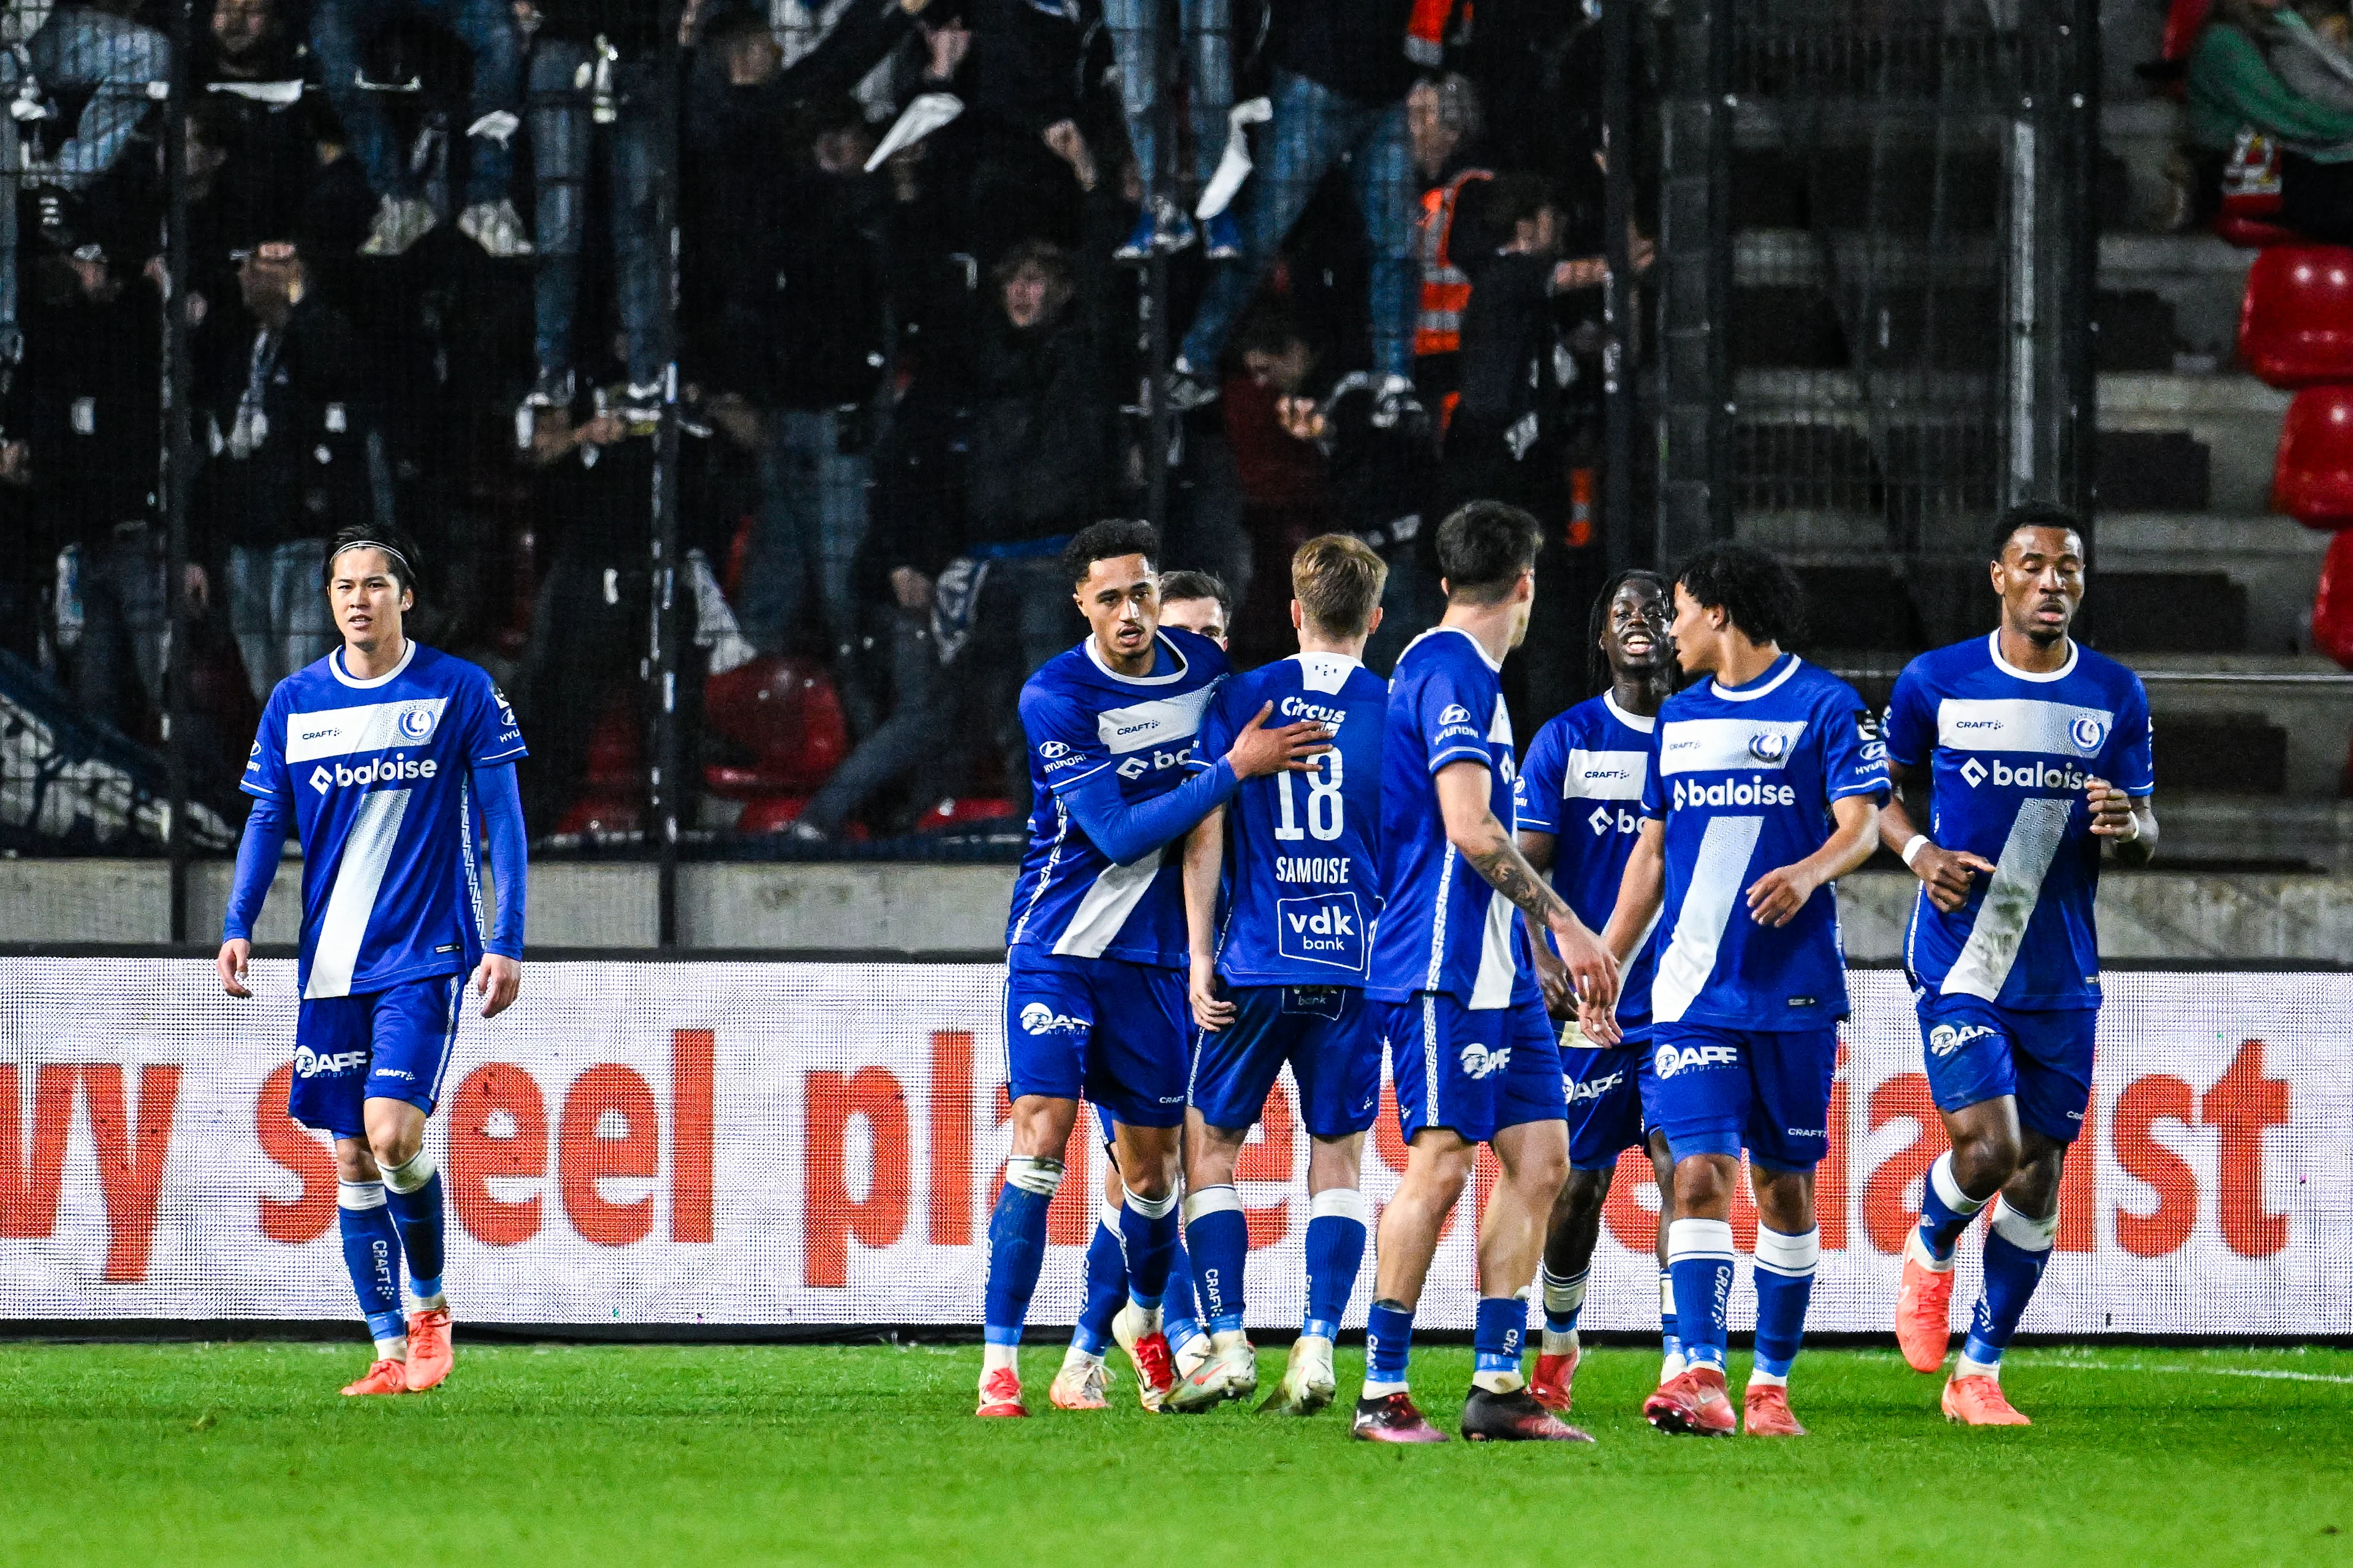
<point>770,813</point>
<point>2332,608</point>
<point>786,714</point>
<point>617,749</point>
<point>2296,325</point>
<point>2311,479</point>
<point>598,813</point>
<point>965,811</point>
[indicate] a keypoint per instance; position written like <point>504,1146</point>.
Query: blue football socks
<point>1388,1341</point>
<point>1944,1210</point>
<point>1497,1333</point>
<point>1106,1284</point>
<point>372,1255</point>
<point>2015,1256</point>
<point>413,1194</point>
<point>1785,1283</point>
<point>1699,1252</point>
<point>1335,1253</point>
<point>1017,1249</point>
<point>1217,1238</point>
<point>1149,1227</point>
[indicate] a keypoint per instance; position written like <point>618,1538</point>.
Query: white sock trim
<point>1767,1380</point>
<point>1219,1199</point>
<point>2023,1231</point>
<point>994,1356</point>
<point>1337,1202</point>
<point>412,1176</point>
<point>1667,1291</point>
<point>1033,1175</point>
<point>1107,1215</point>
<point>1965,1367</point>
<point>1153,1208</point>
<point>1949,1188</point>
<point>359,1196</point>
<point>1563,1294</point>
<point>1700,1239</point>
<point>1780,1253</point>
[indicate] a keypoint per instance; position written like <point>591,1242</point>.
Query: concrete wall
<point>961,908</point>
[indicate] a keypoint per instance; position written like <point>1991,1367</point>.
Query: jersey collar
<point>1095,654</point>
<point>335,668</point>
<point>1326,672</point>
<point>1631,721</point>
<point>1476,645</point>
<point>1993,647</point>
<point>1759,687</point>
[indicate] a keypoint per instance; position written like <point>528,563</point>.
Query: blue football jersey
<point>379,774</point>
<point>1582,782</point>
<point>1082,717</point>
<point>1303,850</point>
<point>1442,927</point>
<point>2009,755</point>
<point>1744,778</point>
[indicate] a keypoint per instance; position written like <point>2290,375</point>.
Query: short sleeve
<point>265,765</point>
<point>492,734</point>
<point>2132,751</point>
<point>1654,789</point>
<point>1536,793</point>
<point>1452,710</point>
<point>1910,731</point>
<point>1855,756</point>
<point>1066,743</point>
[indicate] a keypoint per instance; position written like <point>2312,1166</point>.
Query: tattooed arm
<point>1472,828</point>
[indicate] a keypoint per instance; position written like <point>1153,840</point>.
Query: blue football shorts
<point>1324,1032</point>
<point>1721,1089</point>
<point>1975,1051</point>
<point>1449,1062</point>
<point>1531,1082</point>
<point>387,1045</point>
<point>1611,1090</point>
<point>1099,1028</point>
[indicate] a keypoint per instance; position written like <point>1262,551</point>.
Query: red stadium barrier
<point>698,1143</point>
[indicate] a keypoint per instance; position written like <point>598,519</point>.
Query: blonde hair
<point>1338,579</point>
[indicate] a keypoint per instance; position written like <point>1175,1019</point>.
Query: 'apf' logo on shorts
<point>1040,1019</point>
<point>1478,1061</point>
<point>309,1063</point>
<point>1593,1088</point>
<point>1671,1061</point>
<point>1945,1039</point>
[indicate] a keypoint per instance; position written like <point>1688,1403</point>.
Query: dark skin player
<point>1634,640</point>
<point>2040,578</point>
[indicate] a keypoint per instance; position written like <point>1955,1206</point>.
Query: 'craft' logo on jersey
<point>1671,1061</point>
<point>2087,732</point>
<point>309,1063</point>
<point>1768,746</point>
<point>417,725</point>
<point>1478,1061</point>
<point>1040,1019</point>
<point>1455,713</point>
<point>1945,1039</point>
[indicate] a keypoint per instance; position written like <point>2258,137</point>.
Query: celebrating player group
<point>1306,865</point>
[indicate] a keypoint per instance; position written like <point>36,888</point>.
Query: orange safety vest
<point>1445,288</point>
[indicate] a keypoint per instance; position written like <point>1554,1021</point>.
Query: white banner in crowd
<point>721,1143</point>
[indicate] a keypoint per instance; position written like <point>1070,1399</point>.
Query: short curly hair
<point>1106,541</point>
<point>1755,590</point>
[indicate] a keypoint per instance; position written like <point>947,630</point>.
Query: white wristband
<point>1913,845</point>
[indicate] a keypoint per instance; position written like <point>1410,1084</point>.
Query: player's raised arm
<point>1472,828</point>
<point>1204,864</point>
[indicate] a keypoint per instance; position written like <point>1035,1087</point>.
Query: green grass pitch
<point>629,1455</point>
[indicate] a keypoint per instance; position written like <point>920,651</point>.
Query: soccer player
<point>1580,795</point>
<point>1282,979</point>
<point>1195,602</point>
<point>388,758</point>
<point>1444,974</point>
<point>1763,787</point>
<point>1094,999</point>
<point>2037,754</point>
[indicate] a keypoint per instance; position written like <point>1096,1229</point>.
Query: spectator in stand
<point>285,423</point>
<point>1341,75</point>
<point>342,32</point>
<point>267,114</point>
<point>89,419</point>
<point>594,65</point>
<point>2263,63</point>
<point>1040,468</point>
<point>1442,116</point>
<point>793,356</point>
<point>1206,27</point>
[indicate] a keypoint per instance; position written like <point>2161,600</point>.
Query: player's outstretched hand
<point>1258,750</point>
<point>1592,971</point>
<point>234,955</point>
<point>1211,1011</point>
<point>1553,979</point>
<point>496,981</point>
<point>2112,812</point>
<point>1775,898</point>
<point>1948,874</point>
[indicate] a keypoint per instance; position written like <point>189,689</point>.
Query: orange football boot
<point>430,1354</point>
<point>385,1376</point>
<point>1692,1406</point>
<point>1978,1402</point>
<point>1924,1306</point>
<point>1769,1414</point>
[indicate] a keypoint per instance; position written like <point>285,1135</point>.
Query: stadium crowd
<point>427,268</point>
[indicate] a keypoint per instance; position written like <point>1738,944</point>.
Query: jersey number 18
<point>1326,810</point>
